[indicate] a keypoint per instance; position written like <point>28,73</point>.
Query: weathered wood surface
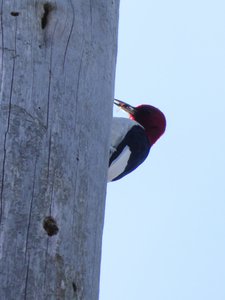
<point>57,68</point>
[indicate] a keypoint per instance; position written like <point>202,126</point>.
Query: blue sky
<point>164,233</point>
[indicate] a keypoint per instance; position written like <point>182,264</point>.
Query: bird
<point>133,137</point>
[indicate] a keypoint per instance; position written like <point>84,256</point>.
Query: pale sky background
<point>164,232</point>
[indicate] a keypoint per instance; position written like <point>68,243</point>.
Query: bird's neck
<point>152,136</point>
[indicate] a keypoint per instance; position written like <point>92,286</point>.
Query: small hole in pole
<point>47,9</point>
<point>14,13</point>
<point>50,226</point>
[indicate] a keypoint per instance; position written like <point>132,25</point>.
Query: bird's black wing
<point>139,146</point>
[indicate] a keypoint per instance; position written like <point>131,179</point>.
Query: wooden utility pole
<point>57,68</point>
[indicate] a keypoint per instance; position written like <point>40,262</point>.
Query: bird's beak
<point>126,107</point>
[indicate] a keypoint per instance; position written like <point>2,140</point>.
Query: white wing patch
<point>120,127</point>
<point>119,164</point>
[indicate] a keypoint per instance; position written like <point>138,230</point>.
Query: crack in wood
<point>50,77</point>
<point>6,132</point>
<point>70,34</point>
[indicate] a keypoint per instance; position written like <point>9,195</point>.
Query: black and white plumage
<point>129,147</point>
<point>131,139</point>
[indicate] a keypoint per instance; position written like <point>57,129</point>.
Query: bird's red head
<point>150,117</point>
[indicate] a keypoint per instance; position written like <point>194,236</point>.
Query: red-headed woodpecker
<point>131,139</point>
